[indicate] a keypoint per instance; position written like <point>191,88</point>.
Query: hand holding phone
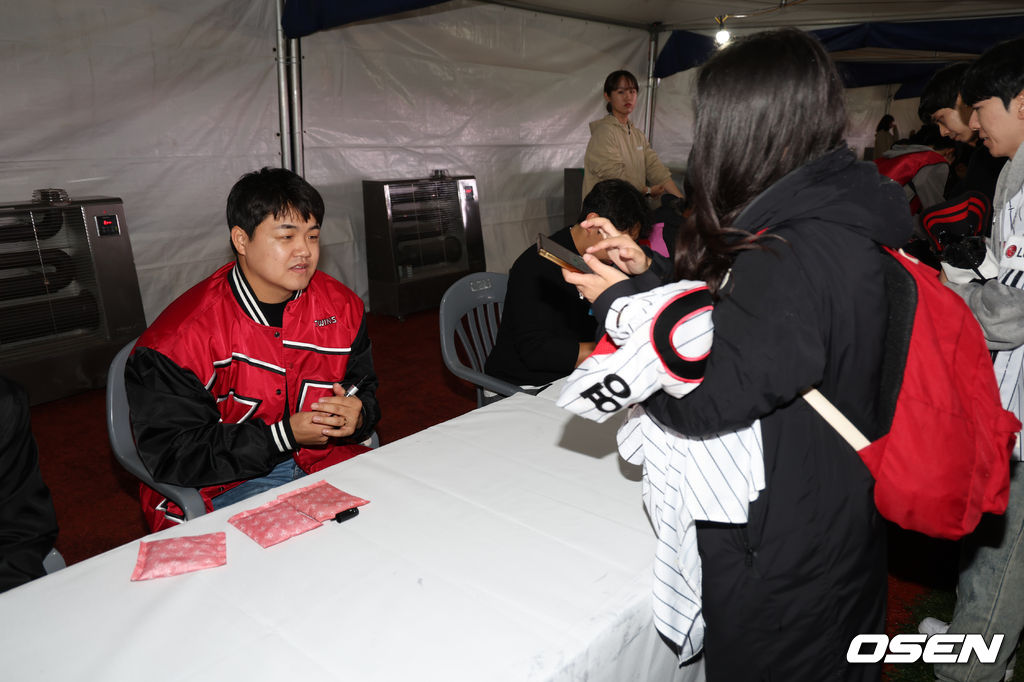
<point>561,256</point>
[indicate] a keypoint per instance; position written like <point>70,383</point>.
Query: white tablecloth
<point>507,544</point>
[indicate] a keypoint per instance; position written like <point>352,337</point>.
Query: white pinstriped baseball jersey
<point>660,340</point>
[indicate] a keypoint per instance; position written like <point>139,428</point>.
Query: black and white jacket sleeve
<point>178,430</point>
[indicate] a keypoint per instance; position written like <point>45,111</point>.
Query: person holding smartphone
<point>786,237</point>
<point>546,328</point>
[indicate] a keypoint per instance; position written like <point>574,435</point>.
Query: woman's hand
<point>618,247</point>
<point>592,286</point>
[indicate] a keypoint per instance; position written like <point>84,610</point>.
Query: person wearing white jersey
<point>990,588</point>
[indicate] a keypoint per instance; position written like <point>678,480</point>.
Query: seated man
<point>28,523</point>
<point>261,372</point>
<point>547,330</point>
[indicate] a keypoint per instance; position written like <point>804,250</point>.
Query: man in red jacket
<point>260,373</point>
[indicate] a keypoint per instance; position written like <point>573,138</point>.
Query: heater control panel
<point>107,225</point>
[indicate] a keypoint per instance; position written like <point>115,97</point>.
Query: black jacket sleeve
<point>360,370</point>
<point>178,430</point>
<point>542,311</point>
<point>767,347</point>
<point>28,523</point>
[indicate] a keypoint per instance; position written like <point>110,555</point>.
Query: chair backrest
<point>119,429</point>
<point>469,318</point>
<point>53,561</point>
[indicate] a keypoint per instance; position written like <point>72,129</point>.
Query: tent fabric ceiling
<point>699,15</point>
<point>963,26</point>
<point>966,36</point>
<point>303,17</point>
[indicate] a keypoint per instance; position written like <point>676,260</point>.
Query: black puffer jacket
<point>785,593</point>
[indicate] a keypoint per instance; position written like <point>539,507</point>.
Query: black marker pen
<point>346,515</point>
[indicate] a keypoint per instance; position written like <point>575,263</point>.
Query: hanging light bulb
<point>722,37</point>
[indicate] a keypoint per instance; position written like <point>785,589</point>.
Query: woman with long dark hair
<point>885,135</point>
<point>785,229</point>
<point>618,149</point>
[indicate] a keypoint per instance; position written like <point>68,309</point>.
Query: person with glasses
<point>618,149</point>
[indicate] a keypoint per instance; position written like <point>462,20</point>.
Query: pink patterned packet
<point>272,523</point>
<point>163,558</point>
<point>321,500</point>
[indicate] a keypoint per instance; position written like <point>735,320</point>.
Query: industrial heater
<point>421,236</point>
<point>69,294</point>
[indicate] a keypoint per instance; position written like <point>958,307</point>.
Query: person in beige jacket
<point>619,150</point>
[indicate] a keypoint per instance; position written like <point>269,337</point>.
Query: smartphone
<point>561,256</point>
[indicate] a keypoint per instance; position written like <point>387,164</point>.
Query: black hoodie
<point>785,593</point>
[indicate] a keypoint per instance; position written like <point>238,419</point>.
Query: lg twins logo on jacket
<point>326,321</point>
<point>1010,251</point>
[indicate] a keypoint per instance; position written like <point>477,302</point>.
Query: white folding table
<point>507,544</point>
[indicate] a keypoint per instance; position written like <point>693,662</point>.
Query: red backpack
<point>945,457</point>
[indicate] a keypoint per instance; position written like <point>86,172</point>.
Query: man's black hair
<point>271,191</point>
<point>929,135</point>
<point>942,90</point>
<point>619,202</point>
<point>997,73</point>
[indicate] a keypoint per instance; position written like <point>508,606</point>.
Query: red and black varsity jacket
<point>211,384</point>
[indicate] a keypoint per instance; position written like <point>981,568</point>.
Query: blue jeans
<point>990,590</point>
<point>283,473</point>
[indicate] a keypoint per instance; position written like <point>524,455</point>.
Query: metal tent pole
<point>284,118</point>
<point>295,98</point>
<point>649,99</point>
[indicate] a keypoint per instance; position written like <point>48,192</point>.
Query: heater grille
<point>421,236</point>
<point>69,295</point>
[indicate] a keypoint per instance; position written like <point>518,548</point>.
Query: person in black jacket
<point>941,104</point>
<point>546,328</point>
<point>786,231</point>
<point>28,523</point>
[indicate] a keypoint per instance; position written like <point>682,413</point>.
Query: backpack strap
<point>830,413</point>
<point>901,298</point>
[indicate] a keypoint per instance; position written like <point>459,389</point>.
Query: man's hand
<point>336,416</point>
<point>616,246</point>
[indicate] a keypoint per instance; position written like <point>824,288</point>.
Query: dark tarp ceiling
<point>301,18</point>
<point>685,49</point>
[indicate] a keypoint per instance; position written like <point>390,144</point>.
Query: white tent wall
<point>673,117</point>
<point>163,104</point>
<point>502,94</point>
<point>866,106</point>
<point>673,121</point>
